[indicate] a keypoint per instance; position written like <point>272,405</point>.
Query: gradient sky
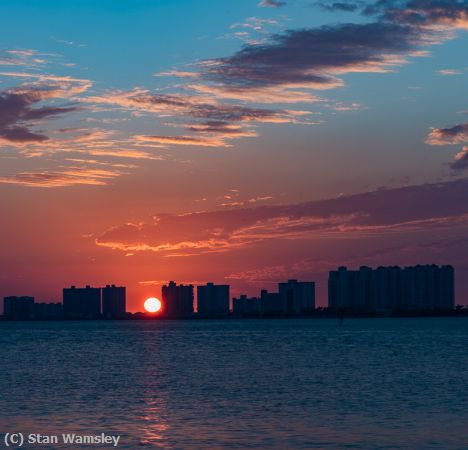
<point>229,141</point>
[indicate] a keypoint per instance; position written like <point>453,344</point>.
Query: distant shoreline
<point>318,315</point>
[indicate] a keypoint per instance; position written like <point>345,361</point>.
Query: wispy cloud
<point>449,72</point>
<point>461,160</point>
<point>214,122</point>
<point>372,213</point>
<point>68,177</point>
<point>272,3</point>
<point>22,57</point>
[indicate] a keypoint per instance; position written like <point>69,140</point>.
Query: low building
<point>48,311</point>
<point>246,306</point>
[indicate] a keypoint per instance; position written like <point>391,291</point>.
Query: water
<point>281,384</point>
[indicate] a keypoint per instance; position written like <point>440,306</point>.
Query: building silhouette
<point>271,303</point>
<point>18,308</point>
<point>113,301</point>
<point>81,303</point>
<point>293,298</point>
<point>177,300</point>
<point>297,297</point>
<point>388,289</point>
<point>48,311</point>
<point>246,306</point>
<point>213,300</point>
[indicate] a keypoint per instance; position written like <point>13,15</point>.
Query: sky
<point>244,142</point>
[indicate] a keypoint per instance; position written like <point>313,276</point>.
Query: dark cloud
<point>17,115</point>
<point>423,12</point>
<point>340,6</point>
<point>316,58</point>
<point>394,210</point>
<point>291,65</point>
<point>313,57</point>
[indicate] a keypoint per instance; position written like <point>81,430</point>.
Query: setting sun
<point>153,305</point>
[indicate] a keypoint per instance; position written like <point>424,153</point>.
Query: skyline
<point>261,140</point>
<point>423,288</point>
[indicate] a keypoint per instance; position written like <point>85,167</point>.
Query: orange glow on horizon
<point>153,305</point>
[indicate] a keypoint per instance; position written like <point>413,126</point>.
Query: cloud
<point>184,140</point>
<point>340,6</point>
<point>313,58</point>
<point>317,58</point>
<point>195,106</point>
<point>461,160</point>
<point>17,114</point>
<point>452,136</point>
<point>265,95</point>
<point>402,210</point>
<point>271,3</point>
<point>425,13</point>
<point>253,30</point>
<point>449,72</point>
<point>56,86</point>
<point>19,57</point>
<point>68,177</point>
<point>214,122</point>
<point>448,136</point>
<point>286,68</point>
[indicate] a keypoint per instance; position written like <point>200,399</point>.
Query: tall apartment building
<point>428,287</point>
<point>213,300</point>
<point>297,297</point>
<point>81,303</point>
<point>18,308</point>
<point>113,301</point>
<point>177,300</point>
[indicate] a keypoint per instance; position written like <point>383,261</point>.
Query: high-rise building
<point>272,304</point>
<point>177,300</point>
<point>213,300</point>
<point>387,289</point>
<point>113,301</point>
<point>445,298</point>
<point>297,297</point>
<point>245,306</point>
<point>81,303</point>
<point>18,308</point>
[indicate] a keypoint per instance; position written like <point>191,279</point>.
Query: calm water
<point>291,384</point>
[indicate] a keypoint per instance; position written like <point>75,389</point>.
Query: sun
<point>153,305</point>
